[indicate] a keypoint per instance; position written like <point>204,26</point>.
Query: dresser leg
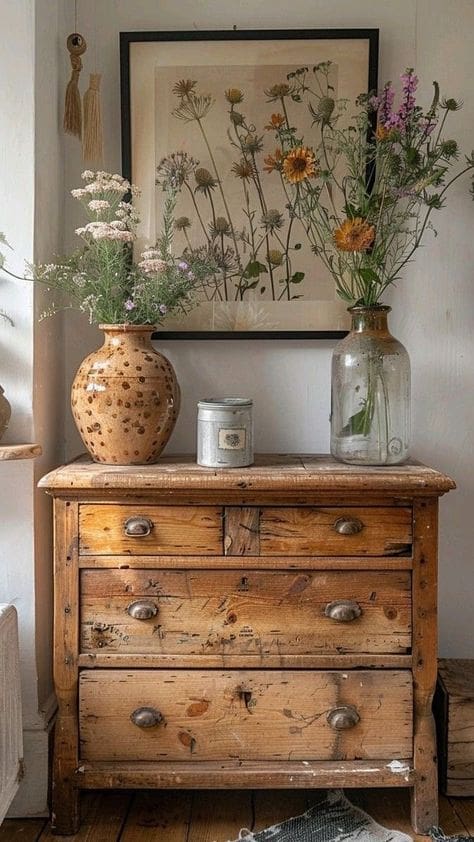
<point>424,797</point>
<point>65,814</point>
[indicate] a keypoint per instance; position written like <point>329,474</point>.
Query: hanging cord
<point>72,124</point>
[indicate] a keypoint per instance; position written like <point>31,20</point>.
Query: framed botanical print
<point>205,110</point>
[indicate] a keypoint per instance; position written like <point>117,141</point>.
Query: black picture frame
<point>371,36</point>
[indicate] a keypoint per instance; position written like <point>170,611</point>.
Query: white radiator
<point>11,739</point>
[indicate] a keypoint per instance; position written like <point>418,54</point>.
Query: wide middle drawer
<point>248,714</point>
<point>251,612</point>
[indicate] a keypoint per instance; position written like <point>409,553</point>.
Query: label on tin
<point>231,439</point>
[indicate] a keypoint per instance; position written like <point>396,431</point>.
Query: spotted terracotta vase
<point>5,412</point>
<point>125,398</point>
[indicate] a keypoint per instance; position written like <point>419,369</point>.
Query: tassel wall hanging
<point>92,142</point>
<point>77,46</point>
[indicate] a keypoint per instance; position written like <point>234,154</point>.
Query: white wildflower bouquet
<point>102,279</point>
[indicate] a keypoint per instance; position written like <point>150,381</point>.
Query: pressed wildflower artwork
<point>211,126</point>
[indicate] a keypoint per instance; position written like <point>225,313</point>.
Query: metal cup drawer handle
<point>343,610</point>
<point>146,717</point>
<point>142,609</point>
<point>343,718</point>
<point>137,527</point>
<point>348,526</point>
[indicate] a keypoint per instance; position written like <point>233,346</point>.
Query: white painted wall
<point>30,360</point>
<point>433,306</point>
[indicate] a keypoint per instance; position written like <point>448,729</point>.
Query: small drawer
<point>150,530</point>
<point>244,612</point>
<point>334,531</point>
<point>199,715</point>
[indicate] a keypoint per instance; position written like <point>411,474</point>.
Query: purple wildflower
<point>129,304</point>
<point>191,276</point>
<point>183,265</point>
<point>385,105</point>
<point>163,309</point>
<point>409,86</point>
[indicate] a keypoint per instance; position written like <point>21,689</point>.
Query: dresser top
<point>270,472</point>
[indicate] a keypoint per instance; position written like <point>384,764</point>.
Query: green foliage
<point>102,280</point>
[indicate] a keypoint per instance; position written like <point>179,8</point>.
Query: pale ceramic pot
<point>5,412</point>
<point>125,398</point>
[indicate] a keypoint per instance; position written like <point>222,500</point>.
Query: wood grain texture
<point>65,801</point>
<point>241,536</point>
<point>242,774</point>
<point>176,530</point>
<point>249,715</point>
<point>219,818</point>
<point>312,531</point>
<point>251,612</point>
<point>235,562</point>
<point>152,813</point>
<point>425,647</point>
<point>454,709</point>
<point>251,710</point>
<point>102,819</point>
<point>270,473</point>
<point>158,817</point>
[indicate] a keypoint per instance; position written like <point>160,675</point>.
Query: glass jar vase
<point>370,392</point>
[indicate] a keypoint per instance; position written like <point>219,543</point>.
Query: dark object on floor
<point>334,819</point>
<point>454,713</point>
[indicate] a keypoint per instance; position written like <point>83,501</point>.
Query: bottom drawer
<point>246,714</point>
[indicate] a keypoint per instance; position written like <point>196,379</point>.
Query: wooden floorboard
<point>218,816</point>
<point>464,811</point>
<point>22,830</point>
<point>158,816</point>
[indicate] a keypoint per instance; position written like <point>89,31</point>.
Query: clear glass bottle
<point>370,393</point>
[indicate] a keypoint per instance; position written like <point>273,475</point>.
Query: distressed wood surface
<point>65,800</point>
<point>236,562</point>
<point>425,651</point>
<point>313,661</point>
<point>228,699</point>
<point>271,472</point>
<point>241,531</point>
<point>176,530</point>
<point>9,452</point>
<point>243,774</point>
<point>267,715</point>
<point>455,720</point>
<point>203,612</point>
<point>102,820</point>
<point>312,531</point>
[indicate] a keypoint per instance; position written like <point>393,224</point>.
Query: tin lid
<point>224,403</point>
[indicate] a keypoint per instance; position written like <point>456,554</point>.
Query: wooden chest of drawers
<point>266,627</point>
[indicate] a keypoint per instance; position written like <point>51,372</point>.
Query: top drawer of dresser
<point>136,529</point>
<point>150,530</point>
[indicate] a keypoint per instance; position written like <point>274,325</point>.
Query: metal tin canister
<point>225,432</point>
